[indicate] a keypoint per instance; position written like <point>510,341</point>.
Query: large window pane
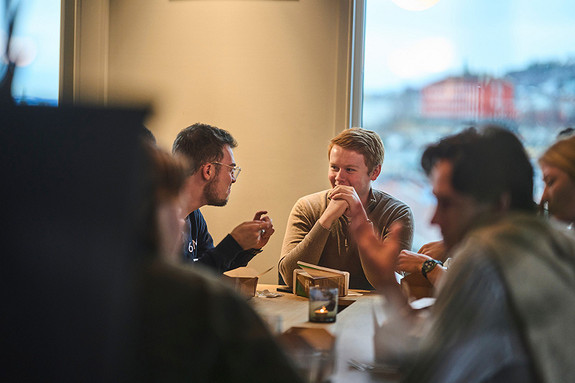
<point>36,49</point>
<point>459,63</point>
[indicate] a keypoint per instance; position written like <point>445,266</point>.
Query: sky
<point>37,38</point>
<point>403,48</point>
<point>413,48</point>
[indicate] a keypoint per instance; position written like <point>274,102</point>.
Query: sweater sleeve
<point>304,239</point>
<point>227,255</point>
<point>220,258</point>
<point>242,256</point>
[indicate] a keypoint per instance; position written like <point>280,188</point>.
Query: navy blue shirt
<point>199,247</point>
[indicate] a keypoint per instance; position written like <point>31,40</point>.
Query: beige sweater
<point>306,240</point>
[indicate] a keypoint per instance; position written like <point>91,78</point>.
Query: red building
<point>469,97</point>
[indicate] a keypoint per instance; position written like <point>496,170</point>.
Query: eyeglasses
<point>234,170</point>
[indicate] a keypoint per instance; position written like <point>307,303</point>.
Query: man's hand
<point>254,234</point>
<point>335,209</point>
<point>435,250</point>
<point>267,231</point>
<point>349,195</point>
<point>411,262</point>
<point>343,200</point>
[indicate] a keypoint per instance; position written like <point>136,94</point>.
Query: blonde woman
<point>558,168</point>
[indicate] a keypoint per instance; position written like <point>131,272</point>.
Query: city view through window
<point>434,72</point>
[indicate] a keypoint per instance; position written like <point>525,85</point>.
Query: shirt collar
<point>371,201</point>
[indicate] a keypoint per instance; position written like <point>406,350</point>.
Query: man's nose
<point>434,219</point>
<point>544,196</point>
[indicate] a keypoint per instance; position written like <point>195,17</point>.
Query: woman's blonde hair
<point>561,155</point>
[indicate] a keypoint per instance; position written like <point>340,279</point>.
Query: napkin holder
<point>314,275</point>
<point>243,279</point>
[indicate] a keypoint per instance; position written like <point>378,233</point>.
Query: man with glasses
<point>213,170</point>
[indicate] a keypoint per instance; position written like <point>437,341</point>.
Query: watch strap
<point>429,265</point>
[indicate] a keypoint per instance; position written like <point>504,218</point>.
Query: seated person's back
<point>192,327</point>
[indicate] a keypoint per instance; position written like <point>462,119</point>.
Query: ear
<point>375,173</point>
<point>208,171</point>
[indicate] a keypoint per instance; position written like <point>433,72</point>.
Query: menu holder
<point>314,275</point>
<point>243,279</point>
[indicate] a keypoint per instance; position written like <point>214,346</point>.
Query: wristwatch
<point>429,265</point>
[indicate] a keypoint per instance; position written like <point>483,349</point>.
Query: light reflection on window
<point>460,63</point>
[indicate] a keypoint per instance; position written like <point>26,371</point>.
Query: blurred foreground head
<point>167,175</point>
<point>71,241</point>
<point>475,174</point>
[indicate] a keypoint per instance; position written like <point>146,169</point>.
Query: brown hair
<point>202,143</point>
<point>168,173</point>
<point>561,155</point>
<point>165,176</point>
<point>362,141</point>
<point>486,165</point>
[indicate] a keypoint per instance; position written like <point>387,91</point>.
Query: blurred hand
<point>254,234</point>
<point>377,255</point>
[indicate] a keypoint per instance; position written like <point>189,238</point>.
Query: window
<point>36,49</point>
<point>458,63</point>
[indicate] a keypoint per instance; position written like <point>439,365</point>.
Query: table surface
<point>353,329</point>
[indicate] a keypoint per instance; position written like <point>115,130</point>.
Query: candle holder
<point>322,304</point>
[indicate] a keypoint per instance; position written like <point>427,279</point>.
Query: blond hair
<point>365,142</point>
<point>561,155</point>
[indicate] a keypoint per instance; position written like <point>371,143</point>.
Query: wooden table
<point>353,329</point>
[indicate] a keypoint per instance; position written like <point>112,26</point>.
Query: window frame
<point>357,64</point>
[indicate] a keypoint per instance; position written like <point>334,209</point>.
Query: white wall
<point>273,73</point>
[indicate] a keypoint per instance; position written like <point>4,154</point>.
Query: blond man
<point>318,226</point>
